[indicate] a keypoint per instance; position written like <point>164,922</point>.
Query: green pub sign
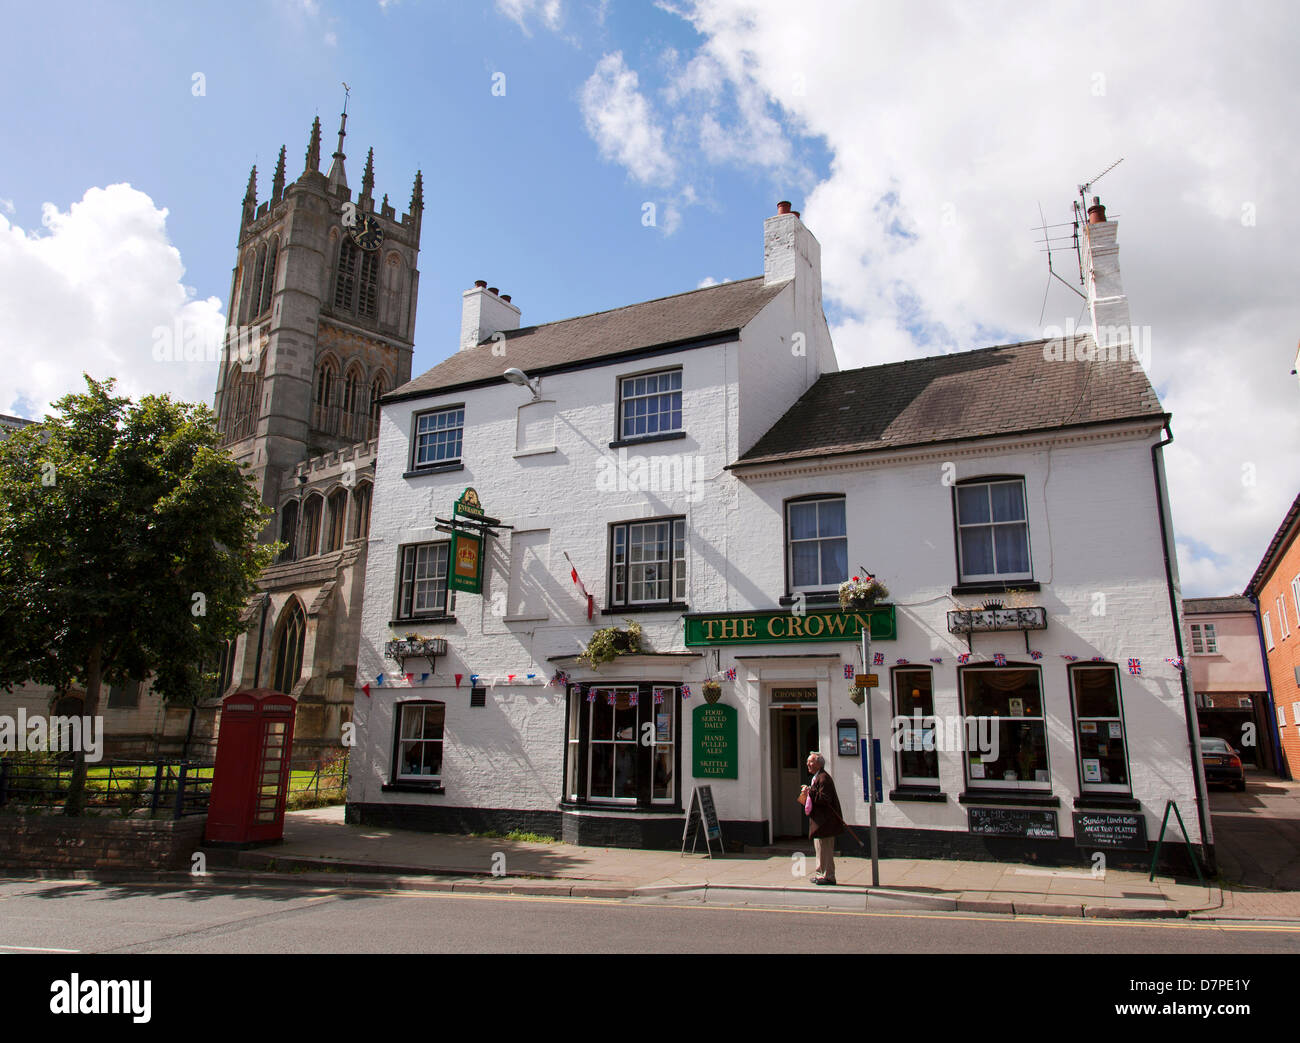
<point>766,628</point>
<point>466,570</point>
<point>713,728</point>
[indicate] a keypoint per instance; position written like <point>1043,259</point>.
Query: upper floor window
<point>438,437</point>
<point>817,543</point>
<point>337,523</point>
<point>648,562</point>
<point>422,590</point>
<point>1268,636</point>
<point>650,404</point>
<point>1282,622</point>
<point>1295,596</point>
<point>1205,643</point>
<point>993,531</point>
<point>310,532</point>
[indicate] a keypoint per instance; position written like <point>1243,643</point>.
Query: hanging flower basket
<point>608,643</point>
<point>712,691</point>
<point>858,695</point>
<point>861,592</point>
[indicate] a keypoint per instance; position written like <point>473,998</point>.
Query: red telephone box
<point>250,782</point>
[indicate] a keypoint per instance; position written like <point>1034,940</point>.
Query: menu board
<point>1013,822</point>
<point>1123,830</point>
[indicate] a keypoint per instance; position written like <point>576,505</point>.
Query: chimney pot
<point>783,207</point>
<point>505,297</point>
<point>480,283</point>
<point>492,290</point>
<point>1096,212</point>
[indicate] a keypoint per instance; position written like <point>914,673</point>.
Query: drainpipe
<point>1270,710</point>
<point>1193,744</point>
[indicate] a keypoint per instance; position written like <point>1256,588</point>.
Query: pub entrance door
<point>794,736</point>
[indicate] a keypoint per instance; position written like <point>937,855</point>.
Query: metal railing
<point>167,789</point>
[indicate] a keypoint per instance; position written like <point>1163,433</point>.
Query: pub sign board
<point>713,727</point>
<point>466,563</point>
<point>752,628</point>
<point>1121,830</point>
<point>1013,822</point>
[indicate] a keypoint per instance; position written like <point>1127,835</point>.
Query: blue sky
<point>919,140</point>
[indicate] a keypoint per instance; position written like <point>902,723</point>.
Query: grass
<point>518,834</point>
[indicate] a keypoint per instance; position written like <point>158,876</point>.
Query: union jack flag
<point>901,662</point>
<point>631,699</point>
<point>659,696</point>
<point>1176,662</point>
<point>1034,654</point>
<point>1099,659</point>
<point>610,698</point>
<point>878,659</point>
<point>1135,666</point>
<point>731,674</point>
<point>848,671</point>
<point>1069,658</point>
<point>686,691</point>
<point>964,658</point>
<point>999,659</point>
<point>937,659</point>
<point>591,694</point>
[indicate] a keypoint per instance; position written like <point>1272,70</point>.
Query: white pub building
<point>698,466</point>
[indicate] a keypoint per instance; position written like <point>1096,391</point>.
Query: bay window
<point>623,745</point>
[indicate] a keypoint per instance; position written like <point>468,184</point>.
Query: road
<point>91,917</point>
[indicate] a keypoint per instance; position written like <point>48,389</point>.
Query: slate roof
<point>1205,606</point>
<point>660,323</point>
<point>1277,546</point>
<point>1008,389</point>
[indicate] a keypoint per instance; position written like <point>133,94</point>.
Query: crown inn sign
<point>738,628</point>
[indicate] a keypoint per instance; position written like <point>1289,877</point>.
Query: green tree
<point>127,548</point>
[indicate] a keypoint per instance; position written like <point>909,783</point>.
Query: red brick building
<point>1275,589</point>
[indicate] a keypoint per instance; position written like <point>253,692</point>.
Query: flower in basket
<point>712,690</point>
<point>861,591</point>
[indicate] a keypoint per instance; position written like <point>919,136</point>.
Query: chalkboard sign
<point>702,811</point>
<point>1123,830</point>
<point>1013,822</point>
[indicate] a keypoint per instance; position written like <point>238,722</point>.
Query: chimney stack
<point>483,313</point>
<point>1106,299</point>
<point>790,251</point>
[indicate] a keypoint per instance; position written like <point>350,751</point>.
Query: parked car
<point>1222,763</point>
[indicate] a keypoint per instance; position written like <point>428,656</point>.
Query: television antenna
<point>1054,241</point>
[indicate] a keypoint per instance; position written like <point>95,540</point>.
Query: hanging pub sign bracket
<point>468,526</point>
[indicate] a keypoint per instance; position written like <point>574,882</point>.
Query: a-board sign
<point>1013,822</point>
<point>702,811</point>
<point>1122,830</point>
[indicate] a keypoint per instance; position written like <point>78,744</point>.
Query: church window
<point>290,637</point>
<point>311,527</point>
<point>338,513</point>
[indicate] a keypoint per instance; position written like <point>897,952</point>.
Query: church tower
<point>322,300</point>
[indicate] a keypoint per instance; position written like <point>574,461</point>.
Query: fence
<point>326,784</point>
<point>168,789</point>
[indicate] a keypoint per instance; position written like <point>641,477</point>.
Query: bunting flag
<point>424,678</point>
<point>999,659</point>
<point>573,573</point>
<point>379,679</point>
<point>410,678</point>
<point>1135,666</point>
<point>531,677</point>
<point>473,679</point>
<point>1035,654</point>
<point>878,659</point>
<point>631,699</point>
<point>938,660</point>
<point>848,672</point>
<point>591,694</point>
<point>611,698</point>
<point>1099,659</point>
<point>731,674</point>
<point>659,696</point>
<point>510,678</point>
<point>366,688</point>
<point>901,662</point>
<point>1069,658</point>
<point>686,691</point>
<point>963,658</point>
<point>1176,662</point>
<point>458,677</point>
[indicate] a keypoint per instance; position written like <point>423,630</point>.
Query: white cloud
<point>622,123</point>
<point>948,126</point>
<point>549,12</point>
<point>95,292</point>
<point>7,205</point>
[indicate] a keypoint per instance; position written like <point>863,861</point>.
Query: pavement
<point>1257,846</point>
<point>319,845</point>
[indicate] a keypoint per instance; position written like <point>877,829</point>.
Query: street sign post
<point>875,754</point>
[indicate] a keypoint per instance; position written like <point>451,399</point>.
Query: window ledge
<point>633,610</point>
<point>440,469</point>
<point>619,443</point>
<point>428,620</point>
<point>812,597</point>
<point>919,793</point>
<point>1106,802</point>
<point>623,809</point>
<point>1010,798</point>
<point>999,587</point>
<point>523,619</point>
<point>412,787</point>
<point>536,452</point>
